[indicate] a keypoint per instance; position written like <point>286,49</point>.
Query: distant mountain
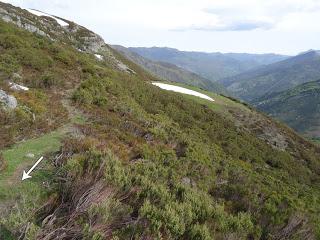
<point>299,107</point>
<point>171,72</point>
<point>275,77</point>
<point>213,66</point>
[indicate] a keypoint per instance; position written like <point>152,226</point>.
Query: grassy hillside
<point>212,66</point>
<point>171,72</point>
<point>137,162</point>
<point>275,77</point>
<point>298,107</point>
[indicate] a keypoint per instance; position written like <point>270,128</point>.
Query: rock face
<point>93,42</point>
<point>9,101</point>
<point>15,18</point>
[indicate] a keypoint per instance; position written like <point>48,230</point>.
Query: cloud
<point>232,16</point>
<point>248,15</point>
<point>271,8</point>
<point>232,26</point>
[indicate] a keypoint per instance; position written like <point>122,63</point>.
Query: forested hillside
<point>299,107</point>
<point>276,77</point>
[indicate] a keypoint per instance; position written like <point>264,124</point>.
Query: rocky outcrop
<point>93,42</point>
<point>20,21</point>
<point>7,100</point>
<point>46,26</point>
<point>122,67</point>
<point>81,38</point>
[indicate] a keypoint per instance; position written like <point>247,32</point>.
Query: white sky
<point>255,26</point>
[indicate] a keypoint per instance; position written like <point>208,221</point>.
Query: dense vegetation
<point>298,107</point>
<point>142,163</point>
<point>276,77</point>
<point>44,65</point>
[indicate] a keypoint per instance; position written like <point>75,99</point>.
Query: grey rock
<point>6,18</point>
<point>33,29</point>
<point>186,181</point>
<point>122,67</point>
<point>8,100</point>
<point>94,42</point>
<point>16,76</point>
<point>30,155</point>
<point>148,137</point>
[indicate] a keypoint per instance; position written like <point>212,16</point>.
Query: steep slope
<point>171,72</point>
<point>275,77</point>
<point>299,107</point>
<point>69,33</point>
<point>213,66</point>
<point>49,27</point>
<point>127,160</point>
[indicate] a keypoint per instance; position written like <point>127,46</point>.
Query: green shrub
<point>153,215</point>
<point>200,232</point>
<point>115,173</point>
<point>82,96</point>
<point>48,80</point>
<point>92,91</point>
<point>11,41</point>
<point>87,163</point>
<point>8,64</point>
<point>64,56</point>
<point>34,58</point>
<point>109,210</point>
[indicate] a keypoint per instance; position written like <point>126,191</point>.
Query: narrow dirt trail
<point>69,128</point>
<point>49,142</point>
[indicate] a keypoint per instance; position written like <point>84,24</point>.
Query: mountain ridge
<point>213,66</point>
<point>298,107</point>
<point>171,72</point>
<point>275,77</point>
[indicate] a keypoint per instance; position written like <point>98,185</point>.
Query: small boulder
<point>99,57</point>
<point>148,137</point>
<point>30,155</point>
<point>186,181</point>
<point>122,67</point>
<point>9,101</point>
<point>17,87</point>
<point>16,76</point>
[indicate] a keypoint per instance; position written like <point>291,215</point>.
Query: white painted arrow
<point>26,175</point>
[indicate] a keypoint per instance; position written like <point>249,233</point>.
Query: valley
<point>212,66</point>
<point>271,75</point>
<point>134,152</point>
<point>298,107</point>
<point>275,77</point>
<point>171,72</point>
